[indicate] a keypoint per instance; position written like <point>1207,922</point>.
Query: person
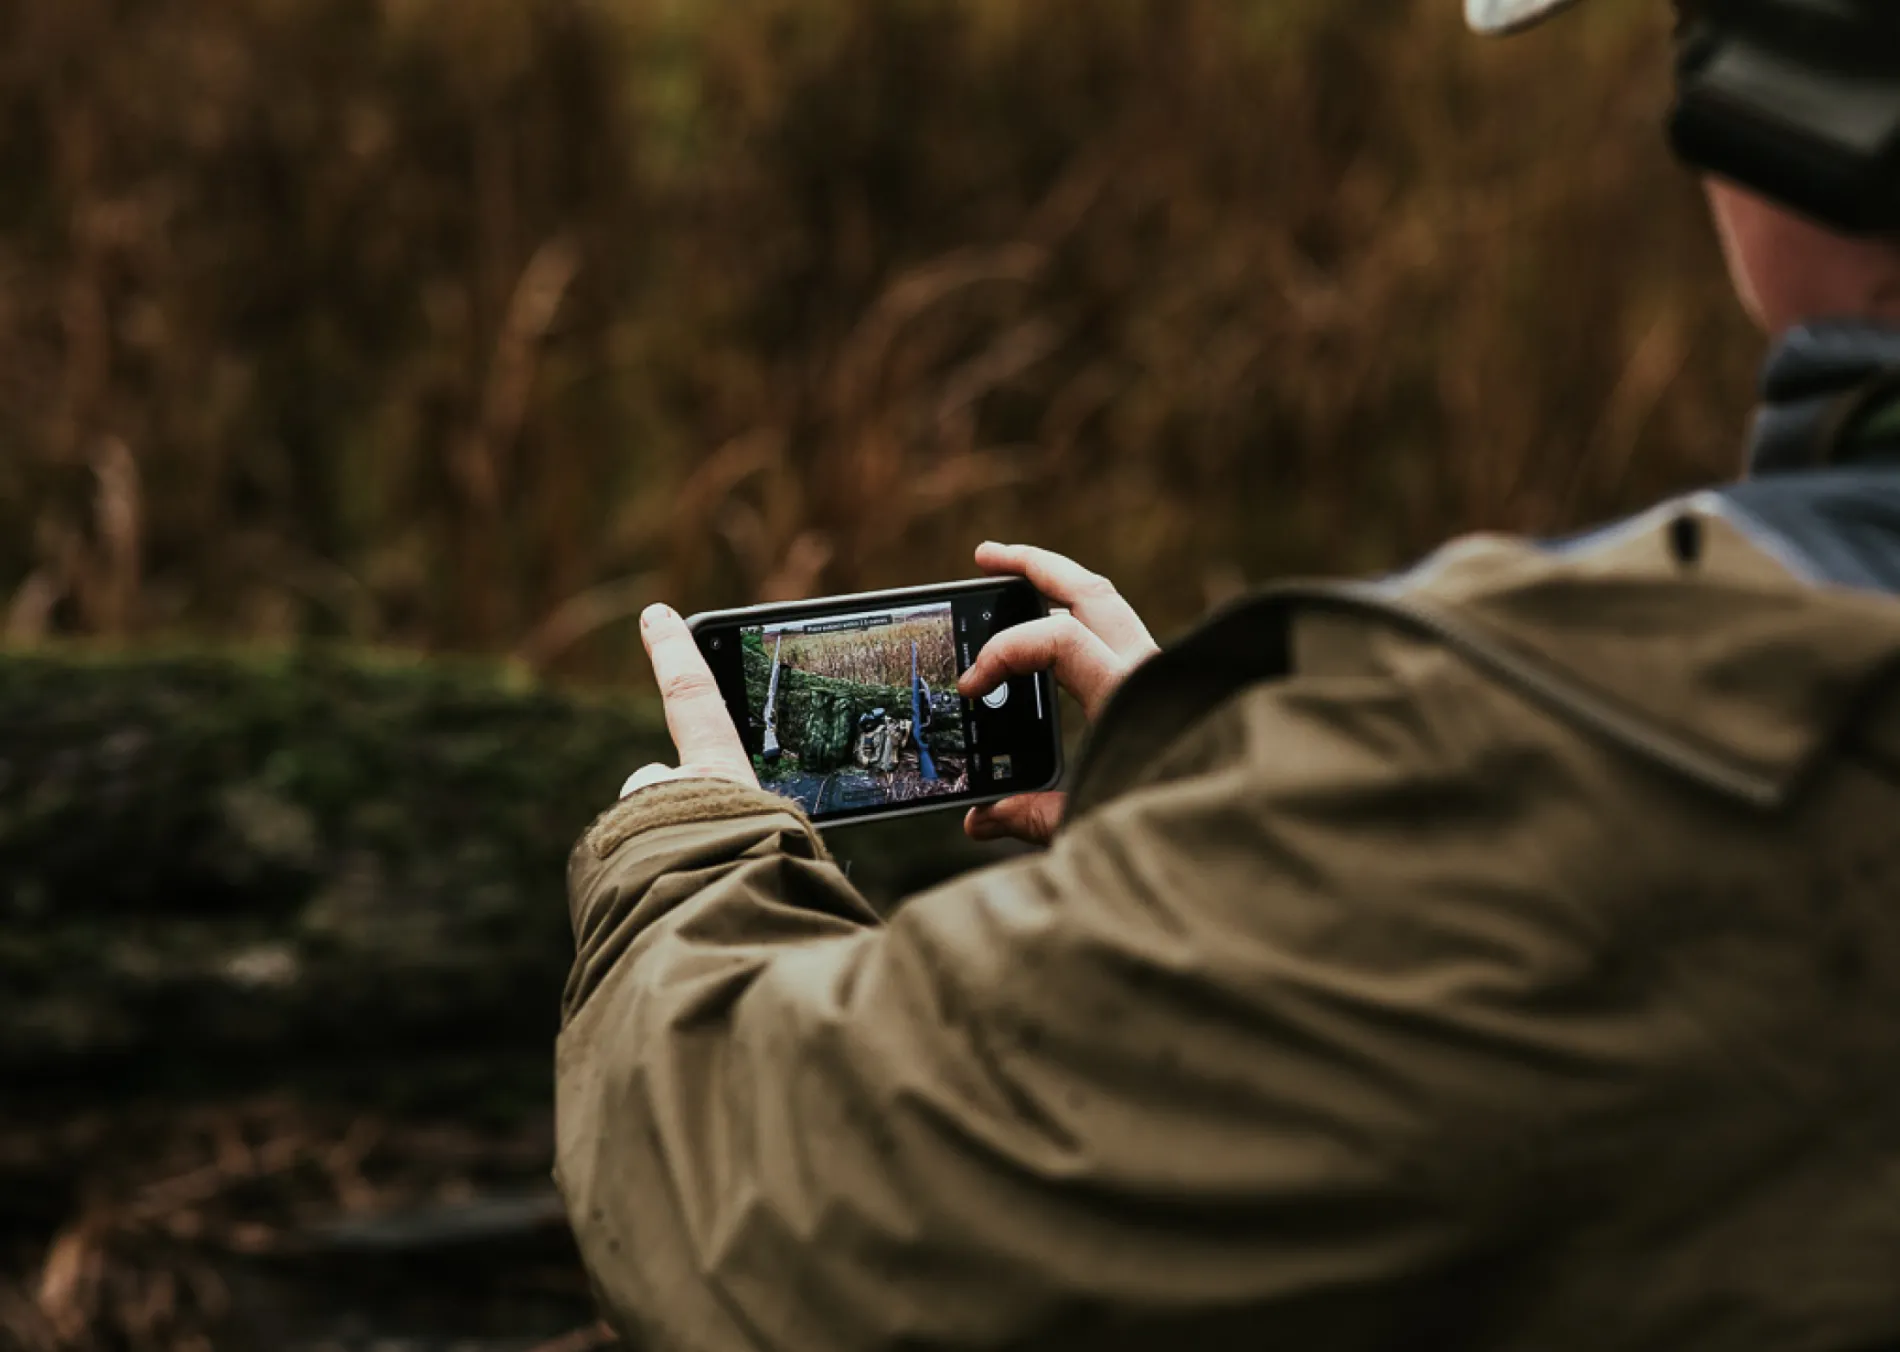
<point>1504,955</point>
<point>881,740</point>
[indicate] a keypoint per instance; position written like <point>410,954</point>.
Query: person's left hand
<point>696,714</point>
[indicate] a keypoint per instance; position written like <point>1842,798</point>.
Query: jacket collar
<point>1830,395</point>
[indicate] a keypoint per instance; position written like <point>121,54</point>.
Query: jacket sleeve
<point>1237,1059</point>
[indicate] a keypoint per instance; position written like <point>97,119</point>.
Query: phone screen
<point>850,707</point>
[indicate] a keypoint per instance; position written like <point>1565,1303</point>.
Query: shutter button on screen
<point>998,697</point>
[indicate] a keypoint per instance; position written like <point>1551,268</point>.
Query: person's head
<point>1791,109</point>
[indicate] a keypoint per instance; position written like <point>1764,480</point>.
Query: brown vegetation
<point>476,325</point>
<point>877,656</point>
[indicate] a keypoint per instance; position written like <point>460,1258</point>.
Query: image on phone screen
<point>859,710</point>
<point>850,707</point>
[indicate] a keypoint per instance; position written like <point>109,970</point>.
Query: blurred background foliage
<point>475,325</point>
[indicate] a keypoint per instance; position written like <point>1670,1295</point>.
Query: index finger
<point>696,712</point>
<point>1089,596</point>
<point>1083,664</point>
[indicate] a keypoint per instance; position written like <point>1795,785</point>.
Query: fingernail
<point>654,614</point>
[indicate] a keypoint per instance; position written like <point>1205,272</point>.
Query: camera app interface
<point>857,711</point>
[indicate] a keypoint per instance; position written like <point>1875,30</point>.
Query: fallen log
<point>224,871</point>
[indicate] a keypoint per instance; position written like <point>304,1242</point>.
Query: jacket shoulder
<point>1695,638</point>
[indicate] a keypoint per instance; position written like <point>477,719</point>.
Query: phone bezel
<point>794,610</point>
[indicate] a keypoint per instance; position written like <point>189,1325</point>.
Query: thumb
<point>1031,817</point>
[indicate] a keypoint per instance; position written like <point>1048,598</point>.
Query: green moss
<point>392,836</point>
<point>228,864</point>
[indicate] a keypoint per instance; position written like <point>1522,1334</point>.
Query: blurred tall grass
<point>476,324</point>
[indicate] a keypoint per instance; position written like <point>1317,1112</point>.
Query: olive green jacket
<point>1507,957</point>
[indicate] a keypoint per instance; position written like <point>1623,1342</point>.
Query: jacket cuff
<point>680,801</point>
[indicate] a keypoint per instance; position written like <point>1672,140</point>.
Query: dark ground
<point>284,1224</point>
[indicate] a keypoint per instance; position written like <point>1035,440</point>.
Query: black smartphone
<point>849,705</point>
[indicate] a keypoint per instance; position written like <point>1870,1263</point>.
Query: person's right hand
<point>1090,646</point>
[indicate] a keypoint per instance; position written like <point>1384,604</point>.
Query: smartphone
<point>849,705</point>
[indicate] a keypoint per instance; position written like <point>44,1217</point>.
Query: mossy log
<point>220,867</point>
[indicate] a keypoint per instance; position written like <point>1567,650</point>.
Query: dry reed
<point>477,325</point>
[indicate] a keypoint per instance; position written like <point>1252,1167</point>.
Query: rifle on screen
<point>927,766</point>
<point>772,751</point>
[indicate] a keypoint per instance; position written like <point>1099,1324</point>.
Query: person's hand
<point>1091,645</point>
<point>696,715</point>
